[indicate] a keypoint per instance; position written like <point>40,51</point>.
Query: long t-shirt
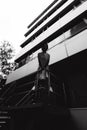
<point>43,69</point>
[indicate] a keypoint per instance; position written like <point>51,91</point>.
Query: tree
<point>7,52</point>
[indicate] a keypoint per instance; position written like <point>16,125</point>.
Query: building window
<point>79,27</point>
<point>82,25</point>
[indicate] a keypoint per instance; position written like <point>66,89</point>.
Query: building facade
<point>63,26</point>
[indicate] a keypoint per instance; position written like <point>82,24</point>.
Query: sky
<point>15,16</point>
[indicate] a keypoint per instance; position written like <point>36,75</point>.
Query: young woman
<point>43,73</point>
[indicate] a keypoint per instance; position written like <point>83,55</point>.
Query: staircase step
<point>5,117</point>
<point>2,122</point>
<point>3,112</point>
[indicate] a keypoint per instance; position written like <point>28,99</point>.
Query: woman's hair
<point>45,47</point>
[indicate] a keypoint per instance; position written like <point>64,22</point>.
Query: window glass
<point>79,27</point>
<point>76,29</point>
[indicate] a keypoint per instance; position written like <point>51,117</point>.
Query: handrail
<point>29,91</point>
<point>8,89</point>
<point>23,98</point>
<point>27,99</point>
<point>7,99</point>
<point>65,95</point>
<point>26,84</point>
<point>53,75</point>
<point>20,93</point>
<point>25,95</point>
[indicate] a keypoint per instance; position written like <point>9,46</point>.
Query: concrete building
<point>63,26</point>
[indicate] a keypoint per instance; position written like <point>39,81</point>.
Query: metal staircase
<point>4,120</point>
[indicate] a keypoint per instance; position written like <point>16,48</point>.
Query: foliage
<point>6,54</point>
